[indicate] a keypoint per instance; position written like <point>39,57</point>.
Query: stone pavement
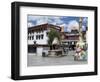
<point>34,60</point>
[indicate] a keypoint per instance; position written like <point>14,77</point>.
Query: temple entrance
<point>32,49</point>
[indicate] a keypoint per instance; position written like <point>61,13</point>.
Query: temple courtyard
<point>34,60</point>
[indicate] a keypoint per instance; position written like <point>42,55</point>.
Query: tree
<point>51,35</point>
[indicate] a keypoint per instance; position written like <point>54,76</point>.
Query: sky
<point>68,22</point>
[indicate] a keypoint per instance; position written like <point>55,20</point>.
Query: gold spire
<point>80,24</point>
<point>80,27</point>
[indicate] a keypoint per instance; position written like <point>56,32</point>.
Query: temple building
<point>38,37</point>
<point>71,38</point>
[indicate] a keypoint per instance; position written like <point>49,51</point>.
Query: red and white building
<point>38,37</point>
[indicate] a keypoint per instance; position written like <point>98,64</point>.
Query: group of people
<point>81,51</point>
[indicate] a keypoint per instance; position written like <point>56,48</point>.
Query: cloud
<point>72,25</point>
<point>68,23</point>
<point>83,28</point>
<point>30,24</point>
<point>33,18</point>
<point>58,20</point>
<point>63,25</point>
<point>45,19</point>
<point>85,19</point>
<point>41,20</point>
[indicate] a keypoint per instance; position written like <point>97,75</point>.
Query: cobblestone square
<point>34,60</point>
